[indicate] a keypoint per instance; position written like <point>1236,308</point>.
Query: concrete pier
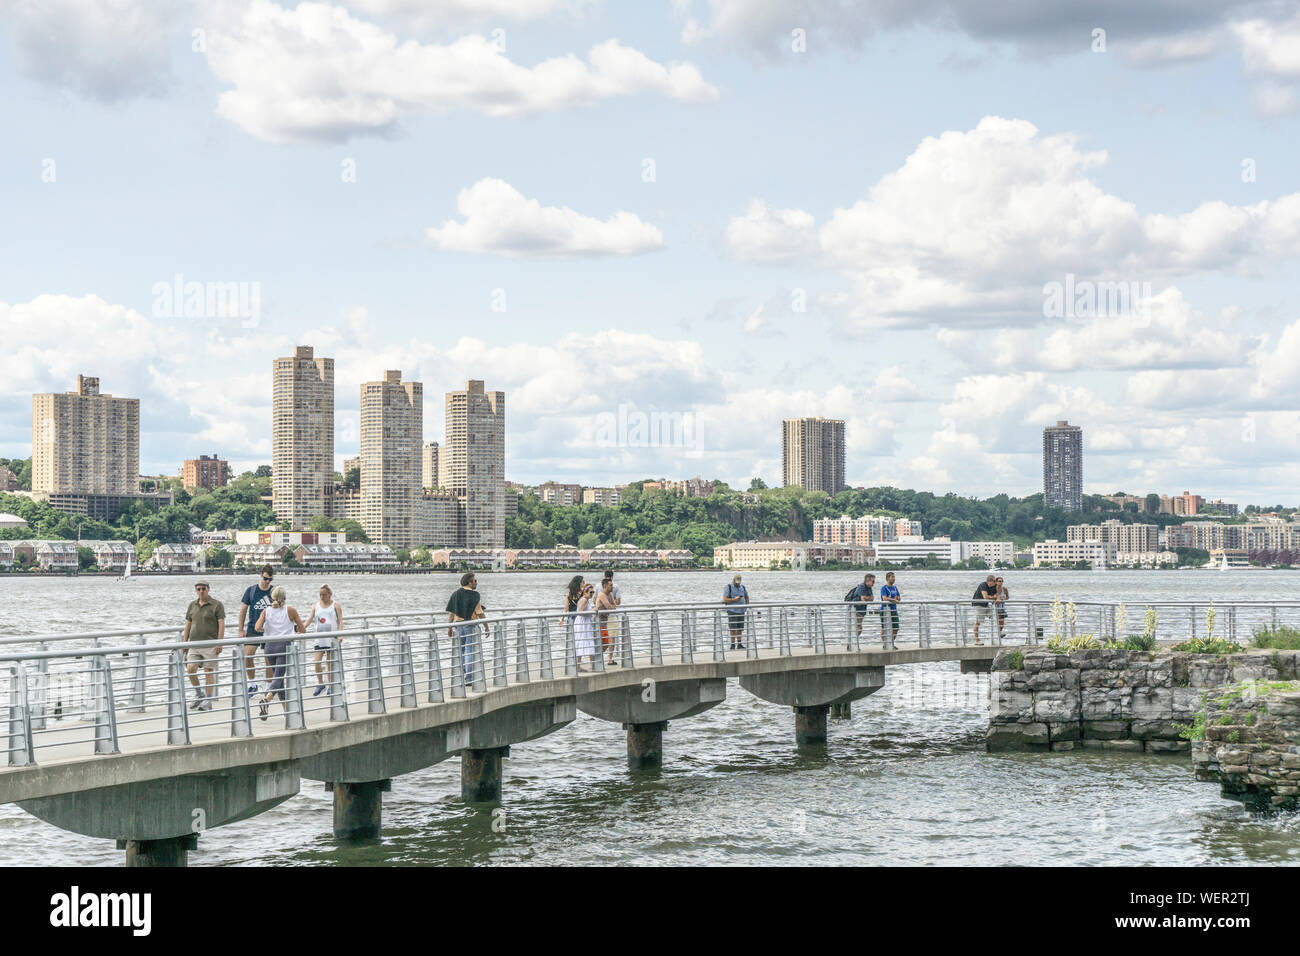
<point>842,711</point>
<point>810,725</point>
<point>358,809</point>
<point>480,774</point>
<point>173,851</point>
<point>645,745</point>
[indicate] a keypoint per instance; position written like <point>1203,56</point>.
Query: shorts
<point>321,645</point>
<point>604,636</point>
<point>982,613</point>
<point>204,656</point>
<point>254,642</point>
<point>736,621</point>
<point>891,614</point>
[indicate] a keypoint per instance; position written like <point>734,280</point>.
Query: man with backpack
<point>861,596</point>
<point>736,597</point>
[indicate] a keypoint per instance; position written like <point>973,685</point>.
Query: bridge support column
<point>480,774</point>
<point>842,711</point>
<point>645,745</point>
<point>358,809</point>
<point>173,851</point>
<point>810,725</point>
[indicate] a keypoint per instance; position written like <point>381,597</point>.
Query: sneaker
<point>320,689</point>
<point>205,704</point>
<point>252,689</point>
<point>198,701</point>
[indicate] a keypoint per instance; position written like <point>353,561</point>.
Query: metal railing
<point>70,696</point>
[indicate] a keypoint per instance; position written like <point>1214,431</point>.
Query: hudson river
<point>906,781</point>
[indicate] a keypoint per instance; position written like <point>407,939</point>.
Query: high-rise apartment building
<point>812,453</point>
<point>302,436</point>
<point>85,443</point>
<point>1063,466</point>
<point>392,429</point>
<point>473,461</point>
<point>429,465</point>
<point>206,471</point>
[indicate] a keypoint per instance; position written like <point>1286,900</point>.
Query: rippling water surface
<point>905,781</point>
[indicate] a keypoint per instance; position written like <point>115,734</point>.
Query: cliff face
<point>1115,699</point>
<point>1252,747</point>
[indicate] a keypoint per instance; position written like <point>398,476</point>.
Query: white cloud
<point>426,14</point>
<point>317,73</point>
<point>499,220</point>
<point>102,50</point>
<point>973,224</point>
<point>764,233</point>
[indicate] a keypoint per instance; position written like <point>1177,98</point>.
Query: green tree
<point>218,557</point>
<point>322,523</point>
<point>589,540</point>
<point>403,556</point>
<point>352,480</point>
<point>757,484</point>
<point>263,471</point>
<point>86,558</point>
<point>421,557</point>
<point>354,531</point>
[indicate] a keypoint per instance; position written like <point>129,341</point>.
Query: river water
<point>906,781</point>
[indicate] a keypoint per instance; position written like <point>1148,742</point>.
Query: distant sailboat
<point>1224,565</point>
<point>126,572</point>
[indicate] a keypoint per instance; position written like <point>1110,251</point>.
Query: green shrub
<point>1016,661</point>
<point>1225,720</point>
<point>1280,638</point>
<point>1062,645</point>
<point>1193,731</point>
<point>1234,737</point>
<point>1199,645</point>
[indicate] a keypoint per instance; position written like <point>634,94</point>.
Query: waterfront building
<point>289,539</point>
<point>904,549</point>
<point>1123,537</point>
<point>345,557</point>
<point>206,471</point>
<point>440,519</point>
<point>177,557</point>
<point>6,554</point>
<point>256,555</point>
<point>55,555</point>
<point>429,466</point>
<point>474,450</point>
<point>302,436</point>
<point>763,555</point>
<point>1235,557</point>
<point>8,521</point>
<point>1063,466</point>
<point>992,552</point>
<point>812,454</point>
<point>112,555</point>
<point>1053,553</point>
<point>1146,559</point>
<point>392,425</point>
<point>866,530</point>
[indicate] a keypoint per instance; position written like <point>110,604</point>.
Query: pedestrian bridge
<point>102,739</point>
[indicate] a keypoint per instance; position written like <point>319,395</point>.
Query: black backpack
<point>853,591</point>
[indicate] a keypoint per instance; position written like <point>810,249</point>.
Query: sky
<point>661,228</point>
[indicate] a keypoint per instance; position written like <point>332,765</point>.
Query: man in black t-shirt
<point>464,607</point>
<point>256,599</point>
<point>986,592</point>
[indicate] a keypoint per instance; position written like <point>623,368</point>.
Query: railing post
<point>808,626</point>
<point>544,649</point>
<point>22,753</point>
<point>178,718</point>
<point>241,718</point>
<point>1192,610</point>
<point>718,653</point>
<point>656,640</point>
<point>625,638</point>
<point>688,643</point>
<point>105,707</point>
<point>435,668</point>
<point>923,624</point>
<point>1032,636</point>
<point>570,647</point>
<point>958,625</point>
<point>819,631</point>
<point>38,699</point>
<point>406,668</point>
<point>750,633</point>
<point>786,650</point>
<point>521,654</point>
<point>338,684</point>
<point>138,687</point>
<point>479,667</point>
<point>500,655</point>
<point>598,661</point>
<point>460,678</point>
<point>375,703</point>
<point>294,718</point>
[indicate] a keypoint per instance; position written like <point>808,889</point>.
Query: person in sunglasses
<point>256,599</point>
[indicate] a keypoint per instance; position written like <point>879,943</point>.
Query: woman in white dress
<point>579,603</point>
<point>327,617</point>
<point>277,623</point>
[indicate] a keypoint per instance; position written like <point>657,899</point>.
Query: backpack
<point>853,592</point>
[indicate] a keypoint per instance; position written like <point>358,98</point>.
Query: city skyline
<point>757,228</point>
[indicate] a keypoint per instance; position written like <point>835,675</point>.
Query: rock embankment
<point>1111,699</point>
<point>1251,746</point>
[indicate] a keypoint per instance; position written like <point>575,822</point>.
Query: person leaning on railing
<point>735,596</point>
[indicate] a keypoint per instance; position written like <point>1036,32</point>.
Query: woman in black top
<point>575,593</point>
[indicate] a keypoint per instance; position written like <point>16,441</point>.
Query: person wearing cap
<point>736,597</point>
<point>205,620</point>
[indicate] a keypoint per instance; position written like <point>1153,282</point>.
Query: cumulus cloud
<point>318,73</point>
<point>974,224</point>
<point>103,50</point>
<point>426,14</point>
<point>499,220</point>
<point>763,233</point>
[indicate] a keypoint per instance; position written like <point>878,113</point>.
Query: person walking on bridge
<point>256,599</point>
<point>604,605</point>
<point>276,624</point>
<point>205,620</point>
<point>889,598</point>
<point>464,607</point>
<point>327,617</point>
<point>736,598</point>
